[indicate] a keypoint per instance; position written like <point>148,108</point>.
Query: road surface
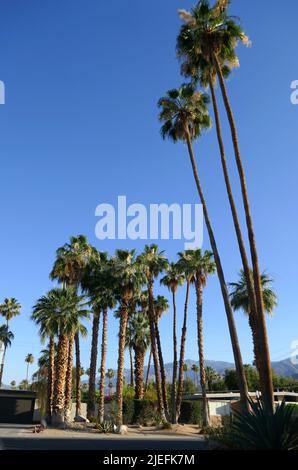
<point>18,437</point>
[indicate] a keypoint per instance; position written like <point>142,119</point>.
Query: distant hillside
<point>284,368</point>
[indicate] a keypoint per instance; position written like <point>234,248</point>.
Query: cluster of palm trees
<point>206,48</point>
<point>92,283</point>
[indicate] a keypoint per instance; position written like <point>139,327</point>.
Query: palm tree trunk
<point>175,361</point>
<point>27,373</point>
<point>78,375</point>
<point>229,312</point>
<point>182,354</point>
<point>2,365</point>
<point>162,371</point>
<point>101,409</point>
<point>132,382</point>
<point>246,269</point>
<point>68,381</point>
<point>205,412</point>
<point>264,360</point>
<point>139,373</point>
<point>120,373</point>
<point>154,352</point>
<point>148,370</point>
<point>51,378</point>
<point>93,364</point>
<point>59,387</point>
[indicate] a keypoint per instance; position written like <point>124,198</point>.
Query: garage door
<point>16,410</point>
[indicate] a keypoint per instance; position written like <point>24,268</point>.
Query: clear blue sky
<point>79,128</point>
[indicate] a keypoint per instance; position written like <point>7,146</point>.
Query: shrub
<point>140,412</point>
<point>191,412</point>
<point>105,427</point>
<point>258,430</point>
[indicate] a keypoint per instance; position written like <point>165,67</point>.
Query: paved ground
<point>14,437</point>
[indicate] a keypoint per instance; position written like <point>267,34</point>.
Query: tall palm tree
<point>185,116</point>
<point>195,369</point>
<point>240,300</point>
<point>68,309</point>
<point>161,305</point>
<point>29,359</point>
<point>97,283</point>
<point>211,377</point>
<point>140,340</point>
<point>172,280</point>
<point>44,315</point>
<point>69,268</point>
<point>202,265</point>
<point>207,41</point>
<point>184,268</point>
<point>6,337</point>
<point>128,279</point>
<point>9,309</point>
<point>152,263</point>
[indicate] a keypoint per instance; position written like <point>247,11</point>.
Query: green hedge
<point>191,412</point>
<point>139,411</point>
<point>145,412</point>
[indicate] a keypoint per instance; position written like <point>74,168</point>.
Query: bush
<point>191,412</point>
<point>258,430</point>
<point>140,412</point>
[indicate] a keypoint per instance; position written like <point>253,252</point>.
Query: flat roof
<point>17,393</point>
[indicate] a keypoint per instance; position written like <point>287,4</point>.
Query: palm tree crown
<point>183,110</point>
<point>240,298</point>
<point>6,336</point>
<point>208,33</point>
<point>10,308</point>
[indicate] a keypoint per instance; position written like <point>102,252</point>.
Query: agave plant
<point>105,427</point>
<point>258,429</point>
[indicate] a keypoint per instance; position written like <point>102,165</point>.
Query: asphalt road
<point>13,437</point>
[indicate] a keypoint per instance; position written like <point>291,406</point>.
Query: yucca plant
<point>258,429</point>
<point>105,427</point>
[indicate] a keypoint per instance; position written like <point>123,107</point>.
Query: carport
<point>17,406</point>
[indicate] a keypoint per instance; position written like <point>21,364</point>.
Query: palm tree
<point>207,42</point>
<point>201,265</point>
<point>129,346</point>
<point>196,370</point>
<point>29,359</point>
<point>184,268</point>
<point>6,337</point>
<point>127,279</point>
<point>97,283</point>
<point>161,305</point>
<point>110,374</point>
<point>185,115</point>
<point>211,377</point>
<point>172,280</point>
<point>68,309</point>
<point>9,309</point>
<point>140,341</point>
<point>69,268</point>
<point>153,263</point>
<point>13,384</point>
<point>45,316</point>
<point>185,370</point>
<point>240,300</point>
